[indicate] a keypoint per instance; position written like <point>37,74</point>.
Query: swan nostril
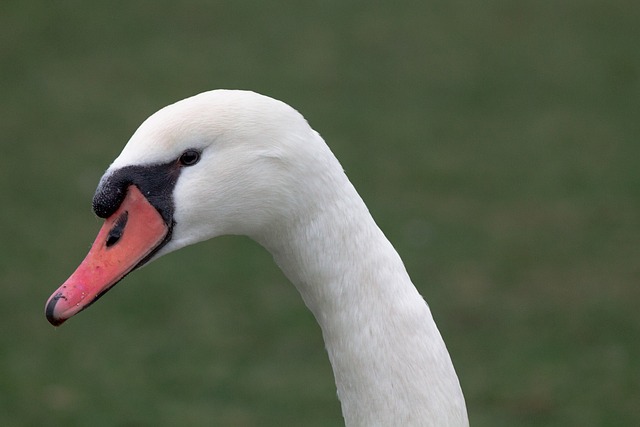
<point>116,232</point>
<point>112,239</point>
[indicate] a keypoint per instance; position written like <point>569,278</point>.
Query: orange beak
<point>126,239</point>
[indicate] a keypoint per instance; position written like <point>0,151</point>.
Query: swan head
<point>221,162</point>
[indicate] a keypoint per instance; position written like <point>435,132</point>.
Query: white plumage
<point>266,174</point>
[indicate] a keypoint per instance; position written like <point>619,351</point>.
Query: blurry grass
<point>495,142</point>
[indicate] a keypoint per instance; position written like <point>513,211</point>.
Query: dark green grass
<point>495,142</point>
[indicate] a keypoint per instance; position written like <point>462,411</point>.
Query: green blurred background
<point>496,142</point>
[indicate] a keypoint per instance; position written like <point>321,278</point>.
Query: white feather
<point>266,174</point>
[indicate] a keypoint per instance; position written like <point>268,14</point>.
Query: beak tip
<point>50,310</point>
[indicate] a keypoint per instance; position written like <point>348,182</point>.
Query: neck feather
<point>390,363</point>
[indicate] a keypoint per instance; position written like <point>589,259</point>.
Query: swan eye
<point>189,158</point>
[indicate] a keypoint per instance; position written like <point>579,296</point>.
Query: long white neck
<point>390,363</point>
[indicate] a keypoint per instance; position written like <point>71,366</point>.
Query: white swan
<point>235,162</point>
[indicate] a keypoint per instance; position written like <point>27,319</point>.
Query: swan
<point>236,162</point>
